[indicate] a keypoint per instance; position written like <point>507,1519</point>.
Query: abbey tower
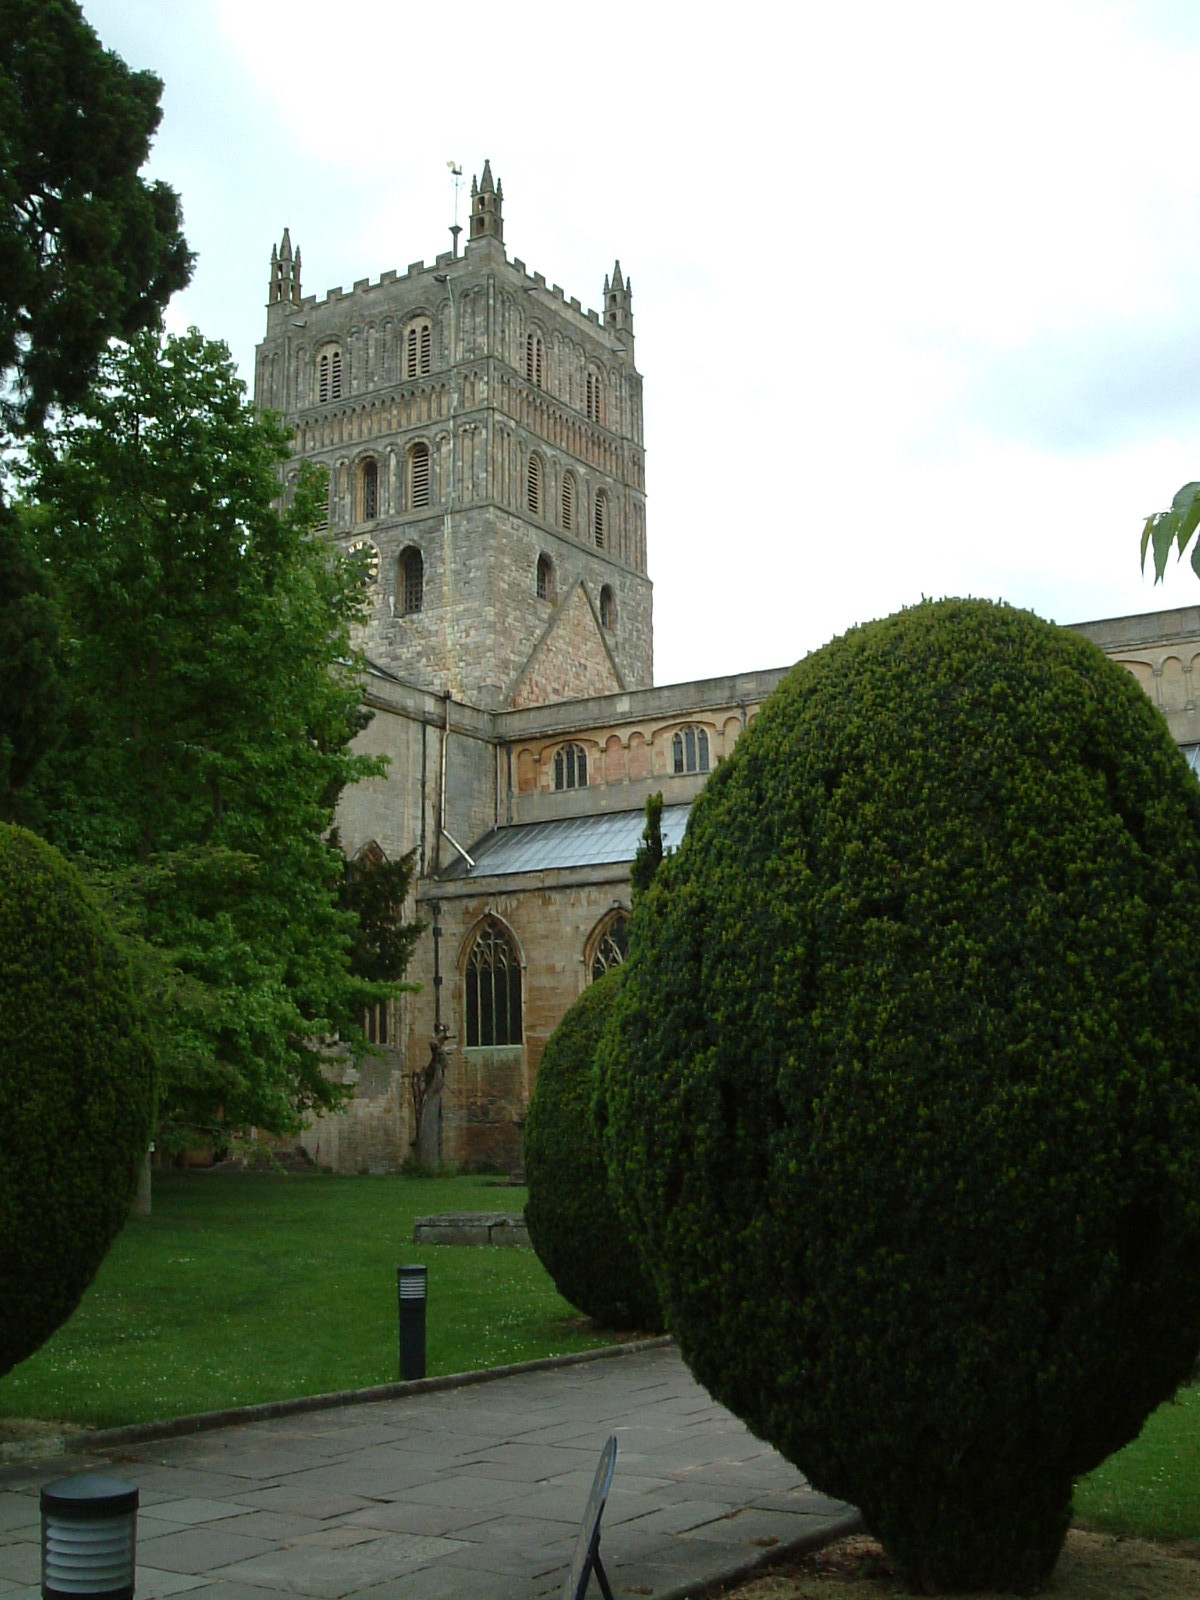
<point>483,439</point>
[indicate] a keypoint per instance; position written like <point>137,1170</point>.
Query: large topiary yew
<point>904,1080</point>
<point>76,1091</point>
<point>573,1222</point>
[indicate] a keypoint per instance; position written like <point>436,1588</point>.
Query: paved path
<point>458,1494</point>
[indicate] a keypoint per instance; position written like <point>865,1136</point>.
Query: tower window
<point>493,981</point>
<point>329,376</point>
<point>545,578</point>
<point>535,360</point>
<point>600,519</point>
<point>593,397</point>
<point>568,501</point>
<point>335,375</point>
<point>570,767</point>
<point>370,490</point>
<point>412,582</point>
<point>608,608</point>
<point>418,348</point>
<point>418,475</point>
<point>533,484</point>
<point>689,749</point>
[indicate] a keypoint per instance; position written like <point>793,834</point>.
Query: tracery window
<point>689,750</point>
<point>570,767</point>
<point>600,519</point>
<point>535,360</point>
<point>533,484</point>
<point>418,348</point>
<point>412,582</point>
<point>493,984</point>
<point>418,475</point>
<point>568,501</point>
<point>369,484</point>
<point>545,578</point>
<point>608,608</point>
<point>611,947</point>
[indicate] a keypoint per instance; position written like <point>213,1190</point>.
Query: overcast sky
<point>916,288</point>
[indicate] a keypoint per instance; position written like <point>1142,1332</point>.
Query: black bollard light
<point>89,1538</point>
<point>412,1287</point>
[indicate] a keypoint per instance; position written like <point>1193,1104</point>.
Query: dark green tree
<point>650,851</point>
<point>29,688</point>
<point>902,1080</point>
<point>213,695</point>
<point>573,1221</point>
<point>76,1091</point>
<point>376,891</point>
<point>88,250</point>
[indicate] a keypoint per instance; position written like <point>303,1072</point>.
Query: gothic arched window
<point>418,475</point>
<point>533,484</point>
<point>600,519</point>
<point>545,578</point>
<point>418,348</point>
<point>412,582</point>
<point>570,767</point>
<point>609,945</point>
<point>568,501</point>
<point>535,360</point>
<point>369,489</point>
<point>493,985</point>
<point>608,608</point>
<point>689,750</point>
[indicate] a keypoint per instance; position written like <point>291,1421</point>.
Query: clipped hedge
<point>573,1223</point>
<point>76,1091</point>
<point>904,1080</point>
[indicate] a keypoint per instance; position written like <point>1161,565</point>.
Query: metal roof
<point>612,836</point>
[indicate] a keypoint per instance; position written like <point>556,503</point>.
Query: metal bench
<point>586,1559</point>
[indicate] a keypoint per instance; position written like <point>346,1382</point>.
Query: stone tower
<point>483,439</point>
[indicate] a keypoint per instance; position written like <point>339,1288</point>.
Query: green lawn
<point>245,1288</point>
<point>1151,1489</point>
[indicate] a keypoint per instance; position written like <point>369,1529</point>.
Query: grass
<point>1151,1489</point>
<point>244,1288</point>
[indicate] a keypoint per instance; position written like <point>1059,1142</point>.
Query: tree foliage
<point>29,687</point>
<point>76,1091</point>
<point>573,1221</point>
<point>650,851</point>
<point>88,250</point>
<point>1176,527</point>
<point>902,1080</point>
<point>212,698</point>
<point>376,891</point>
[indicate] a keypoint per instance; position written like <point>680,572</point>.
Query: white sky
<point>916,288</point>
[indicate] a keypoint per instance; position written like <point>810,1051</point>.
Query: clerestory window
<point>570,767</point>
<point>689,750</point>
<point>493,988</point>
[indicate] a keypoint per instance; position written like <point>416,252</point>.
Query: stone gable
<point>571,661</point>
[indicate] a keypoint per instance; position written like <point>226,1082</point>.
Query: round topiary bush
<point>904,1080</point>
<point>573,1223</point>
<point>76,1091</point>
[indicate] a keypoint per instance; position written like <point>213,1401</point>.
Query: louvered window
<point>323,379</point>
<point>418,349</point>
<point>690,750</point>
<point>600,519</point>
<point>534,360</point>
<point>412,582</point>
<point>493,989</point>
<point>568,502</point>
<point>593,397</point>
<point>335,375</point>
<point>418,475</point>
<point>570,767</point>
<point>533,485</point>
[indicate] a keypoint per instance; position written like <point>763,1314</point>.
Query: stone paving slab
<point>455,1494</point>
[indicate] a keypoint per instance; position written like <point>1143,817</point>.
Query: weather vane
<point>456,173</point>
